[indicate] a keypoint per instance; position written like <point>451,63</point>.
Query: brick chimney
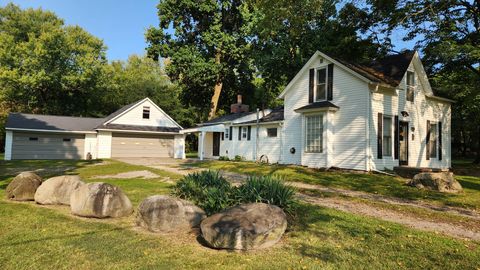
<point>238,107</point>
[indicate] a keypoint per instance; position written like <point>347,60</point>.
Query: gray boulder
<point>245,227</point>
<point>440,181</point>
<point>57,190</point>
<point>23,187</point>
<point>162,213</point>
<point>100,200</point>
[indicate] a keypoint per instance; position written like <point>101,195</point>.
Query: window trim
<point>305,135</point>
<point>433,139</point>
<point>268,133</point>
<point>388,154</point>
<point>325,68</point>
<point>146,112</point>
<point>244,132</point>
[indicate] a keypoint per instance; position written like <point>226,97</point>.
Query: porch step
<point>410,172</point>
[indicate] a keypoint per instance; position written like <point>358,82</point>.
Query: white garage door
<point>142,145</point>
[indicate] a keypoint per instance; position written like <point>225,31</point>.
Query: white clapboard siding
<point>135,117</point>
<point>420,111</point>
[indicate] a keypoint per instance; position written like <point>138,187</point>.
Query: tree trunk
<point>217,90</point>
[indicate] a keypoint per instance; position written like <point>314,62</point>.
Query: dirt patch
<point>392,216</point>
<point>129,175</point>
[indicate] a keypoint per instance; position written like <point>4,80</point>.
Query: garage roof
<point>52,122</point>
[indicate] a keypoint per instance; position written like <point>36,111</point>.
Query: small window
<point>271,132</point>
<point>33,139</point>
<point>410,86</point>
<point>146,112</point>
<point>314,134</point>
<point>433,140</point>
<point>244,132</point>
<point>321,87</point>
<point>67,139</point>
<point>387,136</point>
<point>226,133</point>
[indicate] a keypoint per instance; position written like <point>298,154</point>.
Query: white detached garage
<point>140,129</point>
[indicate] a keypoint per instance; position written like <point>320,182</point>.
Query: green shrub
<point>266,189</point>
<point>207,189</point>
<point>225,158</point>
<point>238,158</point>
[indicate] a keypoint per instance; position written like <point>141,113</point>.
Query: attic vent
<point>146,112</point>
<point>321,60</point>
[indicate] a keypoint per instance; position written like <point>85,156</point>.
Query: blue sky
<point>122,23</point>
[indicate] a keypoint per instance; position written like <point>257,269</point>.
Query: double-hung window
<point>146,112</point>
<point>321,86</point>
<point>314,133</point>
<point>410,86</point>
<point>387,136</point>
<point>244,132</point>
<point>226,133</point>
<point>433,140</point>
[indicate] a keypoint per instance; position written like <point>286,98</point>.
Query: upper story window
<point>433,140</point>
<point>410,86</point>
<point>271,132</point>
<point>387,136</point>
<point>146,112</point>
<point>314,133</point>
<point>321,85</point>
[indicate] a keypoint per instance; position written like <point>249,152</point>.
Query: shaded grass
<point>366,182</point>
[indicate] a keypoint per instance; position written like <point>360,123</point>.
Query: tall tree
<point>207,50</point>
<point>448,34</point>
<point>289,32</point>
<point>141,77</point>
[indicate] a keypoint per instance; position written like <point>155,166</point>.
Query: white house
<point>340,114</point>
<point>140,129</point>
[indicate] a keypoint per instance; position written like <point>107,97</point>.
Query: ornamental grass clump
<point>207,189</point>
<point>266,189</point>
<point>213,193</point>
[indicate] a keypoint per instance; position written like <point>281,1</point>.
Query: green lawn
<point>372,183</point>
<point>33,236</point>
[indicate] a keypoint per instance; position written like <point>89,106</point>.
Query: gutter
<point>138,131</point>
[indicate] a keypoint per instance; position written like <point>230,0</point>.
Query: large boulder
<point>162,213</point>
<point>440,181</point>
<point>23,187</point>
<point>100,200</point>
<point>57,190</point>
<point>245,227</point>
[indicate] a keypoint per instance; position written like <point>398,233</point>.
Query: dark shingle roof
<point>139,128</point>
<point>226,118</point>
<point>317,105</point>
<point>52,122</point>
<point>274,116</point>
<point>388,70</point>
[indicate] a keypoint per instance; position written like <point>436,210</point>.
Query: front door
<point>216,144</point>
<point>403,141</point>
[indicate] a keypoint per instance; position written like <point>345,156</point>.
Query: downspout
<point>368,162</point>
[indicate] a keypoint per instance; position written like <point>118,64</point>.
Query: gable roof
<point>276,115</point>
<point>226,118</point>
<point>81,124</point>
<point>388,71</point>
<point>51,122</point>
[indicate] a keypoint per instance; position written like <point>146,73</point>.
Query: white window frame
<point>387,147</point>
<point>276,132</point>
<point>433,143</point>
<point>410,87</point>
<point>146,109</point>
<point>244,132</point>
<point>317,147</point>
<point>316,83</point>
